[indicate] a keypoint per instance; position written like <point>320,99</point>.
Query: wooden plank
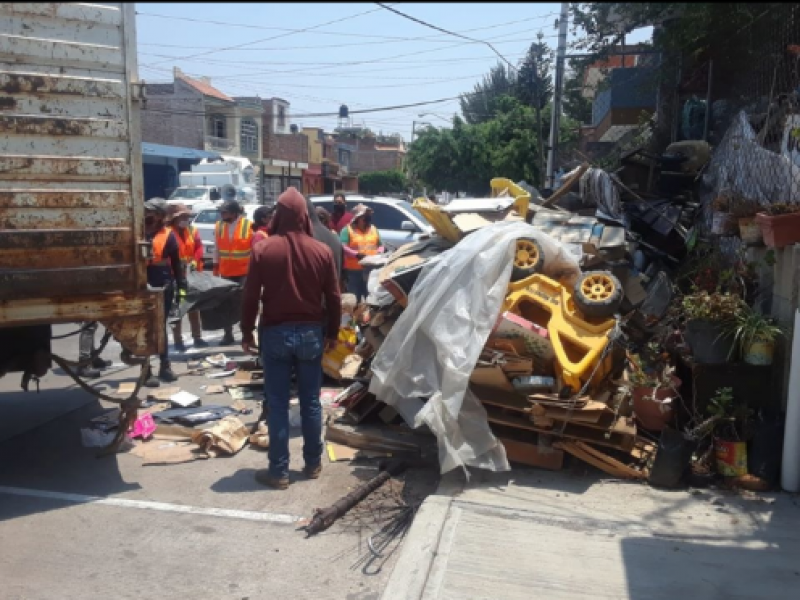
<point>528,453</point>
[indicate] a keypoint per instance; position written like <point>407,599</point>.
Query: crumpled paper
<point>226,437</point>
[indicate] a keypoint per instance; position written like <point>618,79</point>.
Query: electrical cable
<point>274,37</point>
<point>452,33</point>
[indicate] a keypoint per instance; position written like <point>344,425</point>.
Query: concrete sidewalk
<point>554,535</point>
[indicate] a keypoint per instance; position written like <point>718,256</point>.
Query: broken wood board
<point>612,439</point>
<point>531,454</point>
<point>366,441</point>
<point>127,388</point>
<point>173,433</point>
<point>489,379</point>
<point>602,461</point>
<point>215,389</point>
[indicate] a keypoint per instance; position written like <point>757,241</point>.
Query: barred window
<point>249,134</point>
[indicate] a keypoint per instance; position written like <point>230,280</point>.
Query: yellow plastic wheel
<point>598,294</point>
<point>528,259</point>
<point>598,287</point>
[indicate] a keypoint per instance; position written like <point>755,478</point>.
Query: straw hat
<point>178,210</point>
<point>360,210</point>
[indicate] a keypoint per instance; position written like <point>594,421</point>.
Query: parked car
<point>397,221</point>
<point>205,221</point>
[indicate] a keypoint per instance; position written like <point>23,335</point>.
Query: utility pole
<point>555,120</point>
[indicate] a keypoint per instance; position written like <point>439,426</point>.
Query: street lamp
<point>414,127</point>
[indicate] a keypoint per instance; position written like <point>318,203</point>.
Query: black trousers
<point>86,339</point>
<point>169,295</point>
<point>240,279</point>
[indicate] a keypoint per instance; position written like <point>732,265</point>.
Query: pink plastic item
<point>143,427</point>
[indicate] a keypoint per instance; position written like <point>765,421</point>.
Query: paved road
<point>74,526</point>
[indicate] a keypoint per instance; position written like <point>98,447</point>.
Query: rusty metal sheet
<point>70,154</point>
<point>59,126</point>
<point>57,169</point>
<point>62,282</point>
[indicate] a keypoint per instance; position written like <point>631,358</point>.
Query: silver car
<point>397,221</point>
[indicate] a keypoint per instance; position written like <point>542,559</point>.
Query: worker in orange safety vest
<point>233,236</point>
<point>190,249</point>
<point>359,239</point>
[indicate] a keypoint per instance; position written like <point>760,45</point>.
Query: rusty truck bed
<point>70,171</point>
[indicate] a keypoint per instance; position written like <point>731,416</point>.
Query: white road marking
<point>225,513</point>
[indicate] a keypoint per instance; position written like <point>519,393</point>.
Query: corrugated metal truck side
<point>71,206</point>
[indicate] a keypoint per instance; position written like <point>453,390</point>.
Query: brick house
<point>284,150</point>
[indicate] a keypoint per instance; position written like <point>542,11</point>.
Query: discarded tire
<point>598,294</point>
<point>528,259</point>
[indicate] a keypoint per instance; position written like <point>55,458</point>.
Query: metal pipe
<point>555,120</point>
<point>326,517</point>
<point>707,124</point>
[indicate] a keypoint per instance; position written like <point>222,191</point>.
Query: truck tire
<point>598,294</point>
<point>528,259</point>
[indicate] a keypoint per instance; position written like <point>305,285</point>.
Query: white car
<point>205,221</point>
<point>397,221</point>
<point>196,198</point>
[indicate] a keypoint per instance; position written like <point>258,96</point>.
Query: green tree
<point>481,104</point>
<point>382,182</point>
<point>534,86</point>
<point>575,106</point>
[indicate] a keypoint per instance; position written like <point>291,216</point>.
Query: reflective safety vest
<point>364,243</point>
<point>186,246</point>
<point>234,251</point>
<point>159,242</point>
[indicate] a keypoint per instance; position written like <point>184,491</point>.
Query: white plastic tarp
<point>434,345</point>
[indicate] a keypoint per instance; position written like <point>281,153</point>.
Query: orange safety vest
<point>159,242</point>
<point>364,243</point>
<point>234,252</point>
<point>186,246</point>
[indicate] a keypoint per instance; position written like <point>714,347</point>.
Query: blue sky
<point>371,58</point>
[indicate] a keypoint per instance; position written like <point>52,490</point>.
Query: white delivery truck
<point>214,181</point>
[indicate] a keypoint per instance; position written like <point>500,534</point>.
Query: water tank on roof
<point>293,128</point>
<point>344,112</point>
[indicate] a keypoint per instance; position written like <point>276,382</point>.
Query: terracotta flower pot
<point>750,231</point>
<point>781,230</point>
<point>652,414</point>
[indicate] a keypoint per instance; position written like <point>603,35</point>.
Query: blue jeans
<point>283,348</point>
<point>357,284</point>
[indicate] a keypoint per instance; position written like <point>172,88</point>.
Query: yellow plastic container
<point>522,198</point>
<point>578,343</point>
<point>333,359</point>
<point>439,219</point>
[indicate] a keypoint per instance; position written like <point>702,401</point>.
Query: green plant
<point>728,418</point>
<point>716,307</point>
<point>751,326</point>
<point>650,368</point>
<point>742,208</point>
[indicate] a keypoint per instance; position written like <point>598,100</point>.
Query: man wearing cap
<point>232,250</point>
<point>359,240</point>
<point>163,271</point>
<point>190,250</point>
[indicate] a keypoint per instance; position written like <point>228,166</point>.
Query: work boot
<point>312,472</point>
<point>152,381</point>
<point>200,343</point>
<point>88,372</point>
<point>99,363</point>
<point>228,339</point>
<point>180,346</point>
<point>131,360</point>
<point>166,375</point>
<point>264,478</point>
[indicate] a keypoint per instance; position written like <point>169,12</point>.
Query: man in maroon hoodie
<point>291,273</point>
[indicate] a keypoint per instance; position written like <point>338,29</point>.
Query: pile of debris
<point>525,319</point>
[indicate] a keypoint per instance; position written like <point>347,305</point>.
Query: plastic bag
<point>205,291</point>
<point>434,345</point>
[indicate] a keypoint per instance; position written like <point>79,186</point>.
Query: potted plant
<point>745,213</point>
<point>710,321</point>
<point>722,220</point>
<point>780,224</point>
<point>730,423</point>
<point>755,335</point>
<point>653,386</point>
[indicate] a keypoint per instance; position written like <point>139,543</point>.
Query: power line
<point>274,37</point>
<point>345,34</point>
<point>458,35</point>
